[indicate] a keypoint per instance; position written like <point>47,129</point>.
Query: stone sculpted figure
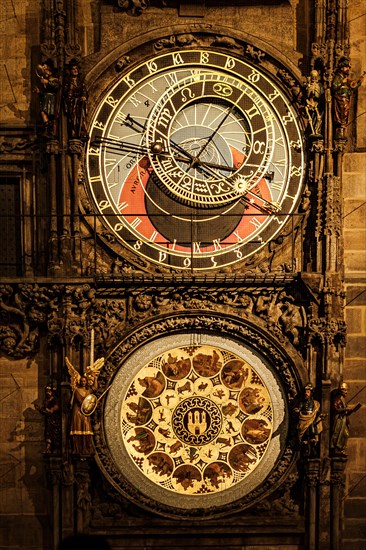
<point>52,413</point>
<point>343,88</point>
<point>83,386</point>
<point>313,102</point>
<point>75,96</point>
<point>47,91</point>
<point>308,421</point>
<point>340,412</point>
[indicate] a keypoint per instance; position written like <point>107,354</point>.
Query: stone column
<point>311,479</point>
<point>53,149</point>
<point>337,485</point>
<point>54,474</point>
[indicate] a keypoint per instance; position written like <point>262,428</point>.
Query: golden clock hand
<point>155,148</point>
<point>218,166</point>
<point>116,144</point>
<point>129,121</point>
<point>128,147</point>
<point>192,158</point>
<point>274,206</point>
<point>216,130</point>
<point>268,207</point>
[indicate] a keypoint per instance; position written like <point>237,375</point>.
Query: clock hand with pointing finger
<point>156,149</point>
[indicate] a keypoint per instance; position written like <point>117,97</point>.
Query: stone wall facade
<point>27,489</point>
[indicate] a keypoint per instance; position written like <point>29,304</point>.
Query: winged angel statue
<point>83,403</point>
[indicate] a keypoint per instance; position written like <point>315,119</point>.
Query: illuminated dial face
<point>195,160</point>
<point>194,424</point>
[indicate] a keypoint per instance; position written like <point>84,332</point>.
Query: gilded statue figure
<point>343,88</point>
<point>340,413</point>
<point>83,386</point>
<point>308,421</point>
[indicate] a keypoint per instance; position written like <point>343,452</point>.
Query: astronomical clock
<point>176,277</point>
<point>194,167</point>
<point>195,159</point>
<point>193,422</point>
<point>187,245</point>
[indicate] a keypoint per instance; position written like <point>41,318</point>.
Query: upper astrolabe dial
<point>195,159</point>
<point>211,138</point>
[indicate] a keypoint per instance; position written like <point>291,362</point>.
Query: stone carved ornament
<point>218,41</point>
<point>70,312</point>
<point>276,309</point>
<point>24,309</point>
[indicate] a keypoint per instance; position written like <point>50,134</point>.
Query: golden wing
<point>95,369</point>
<point>74,375</point>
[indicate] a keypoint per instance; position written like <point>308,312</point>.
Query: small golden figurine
<point>83,387</point>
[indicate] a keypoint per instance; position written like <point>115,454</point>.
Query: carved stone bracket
<point>53,147</point>
<point>337,473</point>
<point>312,472</point>
<point>340,145</point>
<point>76,147</point>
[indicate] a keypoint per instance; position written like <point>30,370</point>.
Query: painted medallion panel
<point>195,419</point>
